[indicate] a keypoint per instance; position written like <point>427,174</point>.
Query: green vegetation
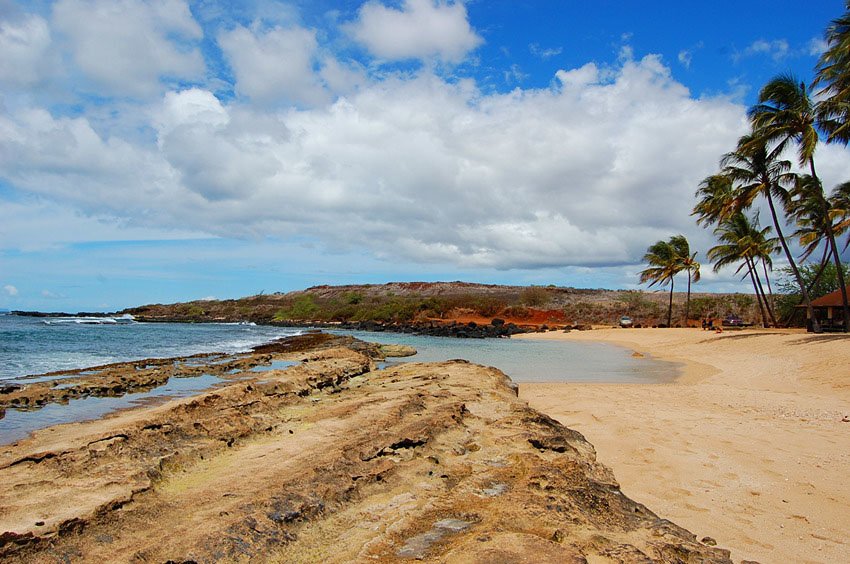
<point>304,308</point>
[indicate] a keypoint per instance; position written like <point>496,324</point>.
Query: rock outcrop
<point>329,461</point>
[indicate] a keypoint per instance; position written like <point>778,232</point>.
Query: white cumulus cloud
<point>25,46</point>
<point>275,66</point>
<point>10,290</point>
<point>421,29</point>
<point>415,168</point>
<point>130,47</point>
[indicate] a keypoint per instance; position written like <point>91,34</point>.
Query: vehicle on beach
<point>733,320</point>
<point>626,321</point>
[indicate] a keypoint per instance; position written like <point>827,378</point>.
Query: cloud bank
<point>300,141</point>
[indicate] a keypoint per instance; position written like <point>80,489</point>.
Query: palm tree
<point>689,264</point>
<point>741,241</point>
<point>833,74</point>
<point>716,200</point>
<point>840,205</point>
<point>761,174</point>
<point>664,263</point>
<point>786,114</point>
<point>808,211</point>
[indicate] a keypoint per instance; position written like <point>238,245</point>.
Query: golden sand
<point>750,446</point>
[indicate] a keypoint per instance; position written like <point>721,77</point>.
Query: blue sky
<point>167,151</point>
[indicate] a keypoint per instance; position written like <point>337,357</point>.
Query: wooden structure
<point>827,310</point>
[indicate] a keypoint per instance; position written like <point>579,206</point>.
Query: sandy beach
<point>749,446</point>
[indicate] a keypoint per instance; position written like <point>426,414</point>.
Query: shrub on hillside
<point>534,296</point>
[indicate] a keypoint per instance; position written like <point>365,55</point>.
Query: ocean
<point>33,345</point>
<point>30,345</point>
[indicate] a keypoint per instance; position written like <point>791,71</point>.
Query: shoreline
<point>743,447</point>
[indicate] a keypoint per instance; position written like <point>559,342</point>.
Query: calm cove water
<point>526,360</point>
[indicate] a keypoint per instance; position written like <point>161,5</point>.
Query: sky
<point>162,151</point>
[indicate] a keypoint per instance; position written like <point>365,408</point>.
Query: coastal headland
<point>456,309</point>
<point>327,460</point>
<point>750,446</point>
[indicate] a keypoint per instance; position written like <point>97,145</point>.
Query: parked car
<point>626,321</point>
<point>733,320</point>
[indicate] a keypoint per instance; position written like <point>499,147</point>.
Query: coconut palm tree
<point>786,115</point>
<point>689,264</point>
<point>833,75</point>
<point>664,263</point>
<point>760,174</point>
<point>743,243</point>
<point>716,200</point>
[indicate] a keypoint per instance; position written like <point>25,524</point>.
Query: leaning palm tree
<point>833,75</point>
<point>742,243</point>
<point>716,200</point>
<point>759,173</point>
<point>664,263</point>
<point>689,264</point>
<point>786,115</point>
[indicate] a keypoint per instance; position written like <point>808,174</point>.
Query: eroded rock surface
<point>118,379</point>
<point>328,461</point>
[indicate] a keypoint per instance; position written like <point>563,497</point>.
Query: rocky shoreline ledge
<point>329,460</point>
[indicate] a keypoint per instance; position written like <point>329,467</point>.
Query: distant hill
<point>445,302</point>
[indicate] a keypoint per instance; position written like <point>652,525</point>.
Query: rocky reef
<point>329,460</point>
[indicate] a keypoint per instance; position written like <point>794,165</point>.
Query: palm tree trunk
<point>688,302</point>
<point>768,302</point>
<point>763,295</point>
<point>767,281</point>
<point>830,235</point>
<point>824,262</point>
<point>810,313</point>
<point>752,270</point>
<point>670,305</point>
